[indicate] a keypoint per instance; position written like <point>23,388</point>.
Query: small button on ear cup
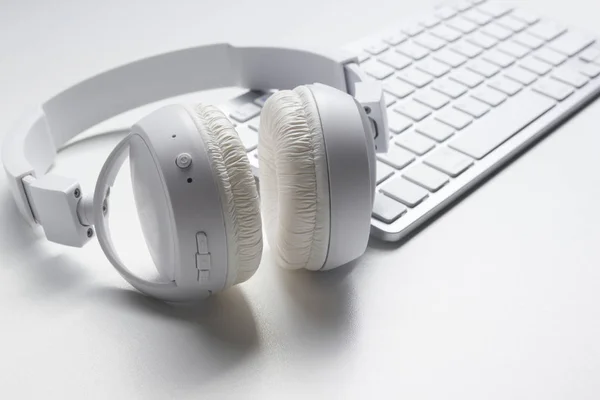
<point>237,190</point>
<point>294,182</point>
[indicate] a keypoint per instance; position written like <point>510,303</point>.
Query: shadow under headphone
<point>193,187</point>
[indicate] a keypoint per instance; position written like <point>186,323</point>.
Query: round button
<point>183,160</point>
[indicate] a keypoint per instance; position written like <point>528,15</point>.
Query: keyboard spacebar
<point>499,125</point>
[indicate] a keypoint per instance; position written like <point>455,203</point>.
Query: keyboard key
<point>449,161</point>
<point>450,58</point>
<point>550,56</point>
<point>489,96</point>
<point>461,24</point>
<point>395,60</point>
<point>446,33</point>
<point>591,70</point>
<point>398,88</point>
<point>454,118</point>
<point>388,99</point>
<point>528,40</point>
<point>430,21</point>
<point>404,191</point>
<point>414,77</point>
<point>398,123</point>
<point>435,130</point>
<point>481,40</point>
<point>570,76</point>
<point>449,88</point>
<point>502,123</point>
<point>383,172</point>
<point>413,29</point>
<point>520,75</point>
<point>463,5</point>
<point>483,68</point>
<point>260,101</point>
<point>590,55</point>
<point>429,41</point>
<point>445,12</point>
<point>514,49</point>
<point>496,10</point>
<point>245,112</point>
<point>254,123</point>
<point>478,17</point>
<point>413,110</point>
<point>502,60</point>
<point>431,98</point>
<point>509,22</point>
<point>553,88</point>
<point>414,142</point>
<point>471,106</point>
<point>362,57</point>
<point>466,49</point>
<point>496,31</point>
<point>376,48</point>
<point>466,77</point>
<point>507,86</point>
<point>547,30</point>
<point>378,70</point>
<point>412,50</point>
<point>387,210</point>
<point>571,43</point>
<point>248,137</point>
<point>427,177</point>
<point>535,65</point>
<point>434,68</point>
<point>395,38</point>
<point>525,16</point>
<point>397,157</point>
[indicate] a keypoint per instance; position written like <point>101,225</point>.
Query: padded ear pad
<point>237,190</point>
<point>294,180</point>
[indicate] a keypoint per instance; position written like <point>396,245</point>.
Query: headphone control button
<point>203,275</point>
<point>203,266</point>
<point>202,243</point>
<point>183,160</point>
<point>203,261</point>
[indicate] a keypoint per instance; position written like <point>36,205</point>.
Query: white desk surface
<point>497,299</point>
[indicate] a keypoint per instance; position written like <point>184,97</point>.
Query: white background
<point>497,299</point>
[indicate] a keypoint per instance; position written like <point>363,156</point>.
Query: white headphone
<point>196,196</point>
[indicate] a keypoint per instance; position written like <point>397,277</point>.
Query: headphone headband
<point>186,71</point>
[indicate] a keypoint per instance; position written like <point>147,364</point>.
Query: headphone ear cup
<point>294,180</point>
<point>237,190</point>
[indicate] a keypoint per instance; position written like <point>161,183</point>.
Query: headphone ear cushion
<point>294,179</point>
<point>237,189</point>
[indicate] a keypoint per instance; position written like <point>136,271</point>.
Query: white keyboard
<point>467,88</point>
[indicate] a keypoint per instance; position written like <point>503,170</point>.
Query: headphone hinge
<point>369,94</point>
<point>54,201</point>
